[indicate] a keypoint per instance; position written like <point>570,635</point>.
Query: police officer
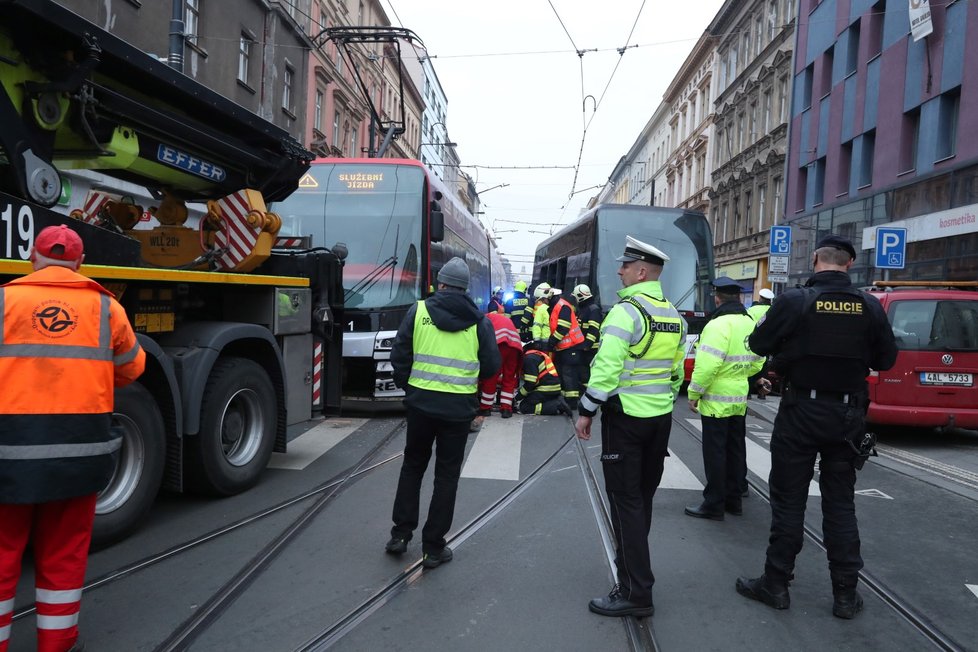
<point>443,348</point>
<point>718,391</point>
<point>518,309</point>
<point>759,308</point>
<point>568,346</point>
<point>635,378</point>
<point>825,337</point>
<point>589,317</point>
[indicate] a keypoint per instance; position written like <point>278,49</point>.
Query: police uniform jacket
<point>758,310</point>
<point>450,310</point>
<point>589,316</point>
<point>65,344</point>
<point>631,373</point>
<point>724,363</point>
<point>829,343</point>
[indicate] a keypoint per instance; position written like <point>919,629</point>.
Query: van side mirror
<point>437,226</point>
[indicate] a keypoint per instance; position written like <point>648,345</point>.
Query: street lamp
<point>482,192</point>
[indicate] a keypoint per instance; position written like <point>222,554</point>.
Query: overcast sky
<point>513,80</point>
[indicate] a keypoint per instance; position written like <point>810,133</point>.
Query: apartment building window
<point>772,19</point>
<point>360,13</point>
<point>748,196</point>
<point>947,125</point>
<point>818,181</point>
<point>191,20</point>
<point>355,142</point>
<point>802,189</point>
<point>339,62</point>
<point>777,200</point>
<point>782,99</point>
<point>828,60</point>
<point>735,231</point>
<point>287,81</point>
<point>877,15</point>
<point>322,18</point>
<point>290,7</point>
<point>758,35</point>
<point>741,132</point>
<point>753,122</point>
<point>745,51</point>
<point>789,11</point>
<point>852,48</point>
<point>723,219</point>
<point>767,111</point>
<point>845,168</point>
<point>318,116</point>
<point>761,206</point>
<point>867,154</point>
<point>807,84</point>
<point>336,129</point>
<point>909,140</point>
<point>244,57</point>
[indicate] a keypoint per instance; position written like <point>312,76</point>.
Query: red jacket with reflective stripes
<point>65,344</point>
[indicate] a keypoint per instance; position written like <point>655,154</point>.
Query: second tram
<point>397,226</point>
<point>586,252</point>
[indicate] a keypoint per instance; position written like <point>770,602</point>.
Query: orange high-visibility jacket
<point>564,327</point>
<point>65,344</point>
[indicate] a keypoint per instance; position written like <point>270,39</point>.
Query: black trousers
<point>540,403</point>
<point>633,450</point>
<point>724,461</point>
<point>587,358</point>
<point>803,429</point>
<point>449,438</point>
<point>569,363</point>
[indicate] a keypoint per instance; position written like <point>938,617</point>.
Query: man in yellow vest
<point>718,391</point>
<point>757,311</point>
<point>444,346</point>
<point>635,379</point>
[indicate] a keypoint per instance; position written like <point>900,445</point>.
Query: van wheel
<point>127,499</point>
<point>237,428</point>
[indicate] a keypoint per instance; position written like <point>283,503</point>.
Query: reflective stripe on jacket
<point>65,344</point>
<point>646,384</point>
<point>539,374</point>
<point>565,331</point>
<point>723,365</point>
<point>506,333</point>
<point>541,321</point>
<point>590,318</point>
<point>444,361</point>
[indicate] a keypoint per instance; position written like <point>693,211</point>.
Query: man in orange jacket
<point>68,344</point>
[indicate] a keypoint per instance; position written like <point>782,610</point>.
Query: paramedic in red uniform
<point>68,344</point>
<point>511,352</point>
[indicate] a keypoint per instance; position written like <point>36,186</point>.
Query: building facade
<point>753,43</point>
<point>883,122</point>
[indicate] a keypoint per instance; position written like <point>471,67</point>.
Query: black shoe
<point>563,408</point>
<point>396,546</point>
<point>846,603</point>
<point>506,414</point>
<point>614,604</point>
<point>699,512</point>
<point>436,559</point>
<point>483,412</point>
<point>734,508</point>
<point>773,594</point>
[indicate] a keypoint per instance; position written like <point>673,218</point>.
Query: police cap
<point>638,250</point>
<point>727,285</point>
<point>837,242</point>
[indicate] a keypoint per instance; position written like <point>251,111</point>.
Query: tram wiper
<point>371,279</point>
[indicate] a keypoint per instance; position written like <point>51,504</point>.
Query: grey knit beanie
<point>455,273</point>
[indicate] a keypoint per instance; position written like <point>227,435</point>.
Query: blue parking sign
<point>780,240</point>
<point>891,247</point>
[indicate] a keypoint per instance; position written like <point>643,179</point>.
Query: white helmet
<point>542,291</point>
<point>581,292</point>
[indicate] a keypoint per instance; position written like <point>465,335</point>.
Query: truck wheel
<point>237,428</point>
<point>127,498</point>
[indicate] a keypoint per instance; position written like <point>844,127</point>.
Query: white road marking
<point>873,493</point>
<point>495,455</point>
<point>310,445</point>
<point>973,588</point>
<point>759,460</point>
<point>676,475</point>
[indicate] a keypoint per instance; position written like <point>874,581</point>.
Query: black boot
<point>846,601</point>
<point>771,591</point>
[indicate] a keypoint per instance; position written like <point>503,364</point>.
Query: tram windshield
<point>377,211</point>
<point>685,239</point>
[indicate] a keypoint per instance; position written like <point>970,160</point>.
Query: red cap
<point>54,236</point>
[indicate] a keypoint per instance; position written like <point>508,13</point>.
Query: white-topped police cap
<point>638,250</point>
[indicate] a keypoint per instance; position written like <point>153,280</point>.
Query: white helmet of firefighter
<point>581,292</point>
<point>542,291</point>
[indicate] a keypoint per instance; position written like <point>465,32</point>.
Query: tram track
<point>903,607</point>
<point>334,485</point>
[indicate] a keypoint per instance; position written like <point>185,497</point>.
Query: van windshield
<point>931,325</point>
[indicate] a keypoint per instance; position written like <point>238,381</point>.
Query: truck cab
<point>932,383</point>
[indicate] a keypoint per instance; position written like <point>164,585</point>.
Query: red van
<point>932,383</point>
